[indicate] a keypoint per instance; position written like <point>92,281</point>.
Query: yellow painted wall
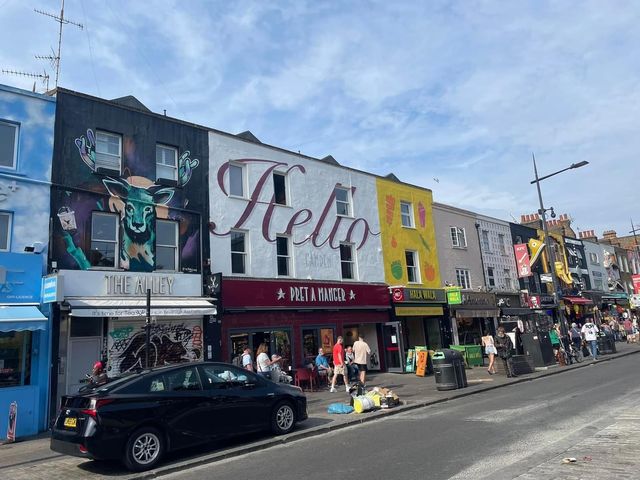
<point>396,238</point>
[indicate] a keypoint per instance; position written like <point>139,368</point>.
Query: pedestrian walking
<point>490,350</point>
<point>576,337</point>
<point>628,328</point>
<point>504,345</point>
<point>590,334</point>
<point>263,362</point>
<point>339,366</point>
<point>247,360</point>
<point>361,351</point>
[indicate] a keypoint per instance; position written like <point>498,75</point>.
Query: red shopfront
<point>296,318</point>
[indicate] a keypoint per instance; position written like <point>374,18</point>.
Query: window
<point>501,244</point>
<point>8,144</point>
<point>166,162</point>
<point>238,252</point>
<point>224,376</point>
<point>593,258</point>
<point>5,231</point>
<point>182,379</point>
<point>104,239</point>
<point>236,180</point>
<point>108,150</point>
<point>463,278</point>
<point>485,241</point>
<point>458,237</point>
<point>280,188</point>
<point>507,279</point>
<point>343,206</point>
<point>166,245</point>
<point>15,358</point>
<point>406,214</point>
<point>283,258</point>
<point>597,282</point>
<point>346,261</point>
<point>490,277</point>
<point>413,270</point>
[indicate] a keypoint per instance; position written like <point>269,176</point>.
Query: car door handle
<point>270,394</point>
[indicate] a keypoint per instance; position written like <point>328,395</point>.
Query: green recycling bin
<point>472,354</point>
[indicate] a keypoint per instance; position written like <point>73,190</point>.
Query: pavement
<point>33,460</point>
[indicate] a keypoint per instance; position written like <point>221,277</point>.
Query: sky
<point>451,96</point>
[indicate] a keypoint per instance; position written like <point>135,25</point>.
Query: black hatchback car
<point>138,418</point>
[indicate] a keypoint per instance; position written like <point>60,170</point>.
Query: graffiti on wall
<point>170,342</point>
<point>137,201</point>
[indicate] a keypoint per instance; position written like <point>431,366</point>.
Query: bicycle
<point>574,355</point>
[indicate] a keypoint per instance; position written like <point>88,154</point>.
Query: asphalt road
<point>498,434</point>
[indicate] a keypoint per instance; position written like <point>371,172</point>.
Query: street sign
<point>546,278</point>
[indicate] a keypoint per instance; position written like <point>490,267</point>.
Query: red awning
<point>578,300</point>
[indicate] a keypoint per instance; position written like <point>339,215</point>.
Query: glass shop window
<point>15,359</point>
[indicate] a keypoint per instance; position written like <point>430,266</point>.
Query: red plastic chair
<point>304,375</point>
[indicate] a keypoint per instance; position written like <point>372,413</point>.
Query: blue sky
<point>462,92</point>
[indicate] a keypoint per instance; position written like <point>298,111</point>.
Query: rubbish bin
<point>449,370</point>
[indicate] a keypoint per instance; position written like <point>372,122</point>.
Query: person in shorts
<point>339,367</point>
<point>361,351</point>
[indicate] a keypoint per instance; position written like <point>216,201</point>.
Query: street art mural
<point>133,198</point>
<point>170,342</point>
<point>396,239</point>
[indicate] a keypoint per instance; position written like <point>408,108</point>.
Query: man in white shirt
<point>361,351</point>
<point>590,333</point>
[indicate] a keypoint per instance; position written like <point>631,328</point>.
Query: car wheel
<point>283,418</point>
<point>144,449</point>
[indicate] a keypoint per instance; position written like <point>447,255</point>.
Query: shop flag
<point>522,259</point>
<point>636,283</point>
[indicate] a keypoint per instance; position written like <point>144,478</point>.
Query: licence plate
<point>70,422</point>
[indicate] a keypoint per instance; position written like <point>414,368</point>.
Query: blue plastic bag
<point>339,408</point>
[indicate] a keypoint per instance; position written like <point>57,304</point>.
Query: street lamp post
<point>547,240</point>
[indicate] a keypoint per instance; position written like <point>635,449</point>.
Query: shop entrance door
<point>393,346</point>
<point>83,353</point>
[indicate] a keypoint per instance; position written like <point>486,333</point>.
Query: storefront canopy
<point>137,307</point>
<point>578,300</point>
<point>20,318</point>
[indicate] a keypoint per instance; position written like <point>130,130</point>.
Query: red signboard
<point>276,294</point>
<point>636,283</point>
<point>522,260</point>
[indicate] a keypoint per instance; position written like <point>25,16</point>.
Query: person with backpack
<point>590,334</point>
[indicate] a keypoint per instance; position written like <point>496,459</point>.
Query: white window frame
<point>456,234</point>
<point>245,253</point>
<point>175,247</point>
<point>286,188</point>
<point>116,252</point>
<point>463,276</point>
<point>98,154</point>
<point>342,202</point>
<point>598,284</point>
<point>16,137</point>
<point>351,263</point>
<point>491,277</point>
<point>593,258</point>
<point>9,215</point>
<point>502,246</point>
<point>243,173</point>
<point>486,243</point>
<point>415,268</point>
<point>406,216</point>
<point>507,279</point>
<point>287,256</point>
<point>174,167</point>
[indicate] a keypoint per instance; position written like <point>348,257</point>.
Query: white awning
<point>137,307</point>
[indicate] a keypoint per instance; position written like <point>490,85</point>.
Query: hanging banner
<point>522,259</point>
<point>636,283</point>
<point>13,418</point>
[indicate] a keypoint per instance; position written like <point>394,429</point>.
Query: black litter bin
<point>449,370</point>
<point>606,345</point>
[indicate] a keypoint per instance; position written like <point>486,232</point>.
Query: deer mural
<point>136,200</point>
<point>137,209</point>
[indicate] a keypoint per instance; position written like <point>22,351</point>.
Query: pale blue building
<point>26,148</point>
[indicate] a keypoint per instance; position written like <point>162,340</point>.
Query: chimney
<point>609,235</point>
<point>589,235</point>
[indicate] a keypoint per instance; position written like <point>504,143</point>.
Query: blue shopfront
<point>24,343</point>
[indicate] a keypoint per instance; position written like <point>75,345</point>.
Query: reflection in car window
<point>147,384</point>
<point>224,376</point>
<point>183,379</point>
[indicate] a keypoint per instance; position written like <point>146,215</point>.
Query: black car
<point>140,417</point>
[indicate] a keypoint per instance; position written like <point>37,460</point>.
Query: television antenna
<point>54,57</point>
